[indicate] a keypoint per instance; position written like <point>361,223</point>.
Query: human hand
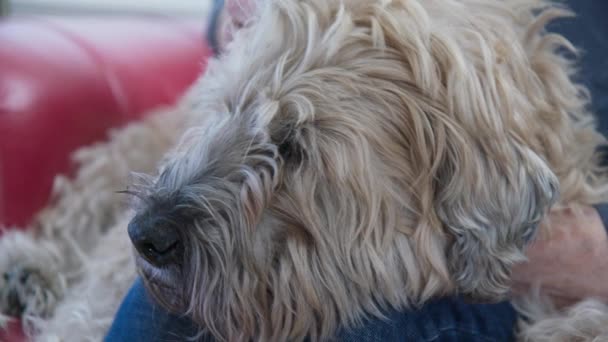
<point>570,262</point>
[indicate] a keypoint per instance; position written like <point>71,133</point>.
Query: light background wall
<point>178,8</point>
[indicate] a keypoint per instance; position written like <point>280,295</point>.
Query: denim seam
<point>460,330</point>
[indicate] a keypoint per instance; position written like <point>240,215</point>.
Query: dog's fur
<point>70,270</point>
<point>341,157</point>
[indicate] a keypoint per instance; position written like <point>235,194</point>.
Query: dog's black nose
<point>159,244</point>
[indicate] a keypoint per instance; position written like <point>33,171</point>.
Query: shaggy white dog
<point>341,157</point>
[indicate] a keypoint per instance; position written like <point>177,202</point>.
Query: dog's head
<point>345,157</point>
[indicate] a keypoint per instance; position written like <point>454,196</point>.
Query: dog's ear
<point>491,204</point>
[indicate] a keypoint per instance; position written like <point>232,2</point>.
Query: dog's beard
<point>162,283</point>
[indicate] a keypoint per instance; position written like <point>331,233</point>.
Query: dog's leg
<point>108,274</point>
<point>28,282</point>
<point>38,265</point>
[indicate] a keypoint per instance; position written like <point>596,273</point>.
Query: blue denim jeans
<point>447,319</point>
<point>214,25</point>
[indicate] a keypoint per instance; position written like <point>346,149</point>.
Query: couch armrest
<point>65,81</point>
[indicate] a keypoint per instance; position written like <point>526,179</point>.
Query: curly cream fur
<point>346,156</point>
<point>586,321</point>
<point>76,244</point>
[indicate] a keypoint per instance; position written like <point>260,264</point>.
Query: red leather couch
<point>65,81</point>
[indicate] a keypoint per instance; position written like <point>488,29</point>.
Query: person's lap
<point>445,319</point>
<point>448,319</point>
<point>139,319</point>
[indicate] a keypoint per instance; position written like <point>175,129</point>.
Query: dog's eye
<point>291,153</point>
<point>289,149</point>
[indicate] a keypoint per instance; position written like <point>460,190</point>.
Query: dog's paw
<point>25,291</point>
